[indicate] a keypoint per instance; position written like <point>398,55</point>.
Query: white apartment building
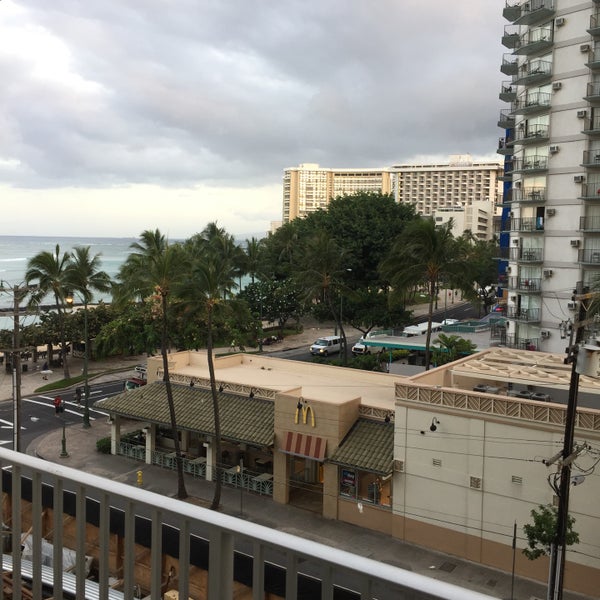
<point>309,187</point>
<point>552,168</point>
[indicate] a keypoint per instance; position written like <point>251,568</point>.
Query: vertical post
<point>86,387</point>
<point>241,487</point>
<point>514,549</point>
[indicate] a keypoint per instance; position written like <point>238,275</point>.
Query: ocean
<point>15,252</point>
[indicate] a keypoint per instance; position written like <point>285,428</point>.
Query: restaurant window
<point>364,486</point>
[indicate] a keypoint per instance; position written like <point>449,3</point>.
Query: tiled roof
<point>243,419</point>
<point>368,446</point>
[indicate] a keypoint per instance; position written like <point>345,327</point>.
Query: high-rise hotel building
<point>550,240</point>
<point>452,187</point>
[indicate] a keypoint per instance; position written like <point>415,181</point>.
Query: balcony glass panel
<point>594,59</point>
<point>505,145</point>
<point>506,119</point>
<point>510,64</point>
<point>535,11</point>
<point>527,224</point>
<point>531,163</point>
<point>590,191</point>
<point>508,92</point>
<point>589,223</point>
<point>594,28</point>
<point>532,102</point>
<point>589,257</point>
<point>511,36</point>
<point>535,40</point>
<point>527,254</point>
<point>593,92</point>
<point>530,194</point>
<point>530,133</point>
<point>523,314</point>
<point>512,10</point>
<point>522,343</point>
<point>591,158</point>
<point>525,284</point>
<point>533,71</point>
<point>592,126</point>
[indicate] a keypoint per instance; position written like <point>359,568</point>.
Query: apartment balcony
<point>510,64</point>
<point>591,159</point>
<point>590,191</point>
<point>502,279</point>
<point>593,93</point>
<point>534,41</point>
<point>507,198</point>
<point>534,71</point>
<point>527,255</point>
<point>527,224</point>
<point>525,315</point>
<point>531,194</point>
<point>594,28</point>
<point>591,126</point>
<point>104,515</point>
<point>531,134</point>
<point>502,253</point>
<point>511,36</point>
<point>522,343</point>
<point>505,145</point>
<point>535,11</point>
<point>589,224</point>
<point>589,257</point>
<point>525,284</point>
<point>508,92</point>
<point>530,164</point>
<point>512,10</point>
<point>593,62</point>
<point>506,119</point>
<point>532,102</point>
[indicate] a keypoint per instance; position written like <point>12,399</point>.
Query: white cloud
<point>209,101</point>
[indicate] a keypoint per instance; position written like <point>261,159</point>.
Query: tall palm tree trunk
<point>63,341</point>
<point>432,287</point>
<point>216,414</point>
<point>181,491</point>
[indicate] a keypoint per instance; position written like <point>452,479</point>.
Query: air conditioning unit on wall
<point>581,114</point>
<point>560,21</point>
<point>575,243</point>
<point>579,179</point>
<point>545,333</point>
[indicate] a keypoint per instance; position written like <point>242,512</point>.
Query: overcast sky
<point>123,115</point>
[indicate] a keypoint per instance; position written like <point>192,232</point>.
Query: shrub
<point>103,445</point>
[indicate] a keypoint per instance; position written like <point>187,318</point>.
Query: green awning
<point>368,446</point>
<point>243,419</point>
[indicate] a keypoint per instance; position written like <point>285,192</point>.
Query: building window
<point>366,487</point>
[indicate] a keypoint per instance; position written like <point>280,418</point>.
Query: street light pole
<point>86,387</point>
<point>63,441</point>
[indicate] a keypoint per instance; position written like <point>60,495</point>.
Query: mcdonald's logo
<point>303,410</point>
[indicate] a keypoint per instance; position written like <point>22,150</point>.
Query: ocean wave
<point>20,259</point>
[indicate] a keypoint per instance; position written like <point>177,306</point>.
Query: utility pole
<point>558,547</point>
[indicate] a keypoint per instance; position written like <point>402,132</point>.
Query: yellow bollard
<point>139,478</point>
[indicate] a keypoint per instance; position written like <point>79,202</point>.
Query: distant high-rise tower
<point>551,223</point>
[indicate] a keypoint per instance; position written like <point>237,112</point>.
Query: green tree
<point>211,265</point>
<point>49,271</point>
<point>84,277</point>
<point>423,254</point>
<point>151,271</point>
<point>451,347</point>
<point>540,534</point>
<point>253,262</point>
<point>321,277</point>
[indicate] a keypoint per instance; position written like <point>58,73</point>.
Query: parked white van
<point>325,346</point>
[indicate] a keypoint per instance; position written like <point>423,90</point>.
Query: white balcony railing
<point>94,502</point>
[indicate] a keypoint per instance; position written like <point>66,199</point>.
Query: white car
<point>450,321</point>
<point>360,348</point>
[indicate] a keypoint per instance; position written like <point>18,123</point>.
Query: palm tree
<point>254,248</point>
<point>84,276</point>
<point>49,271</point>
<point>150,272</point>
<point>423,253</point>
<point>210,281</point>
<point>321,277</point>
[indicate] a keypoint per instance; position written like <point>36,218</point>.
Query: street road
<point>38,415</point>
